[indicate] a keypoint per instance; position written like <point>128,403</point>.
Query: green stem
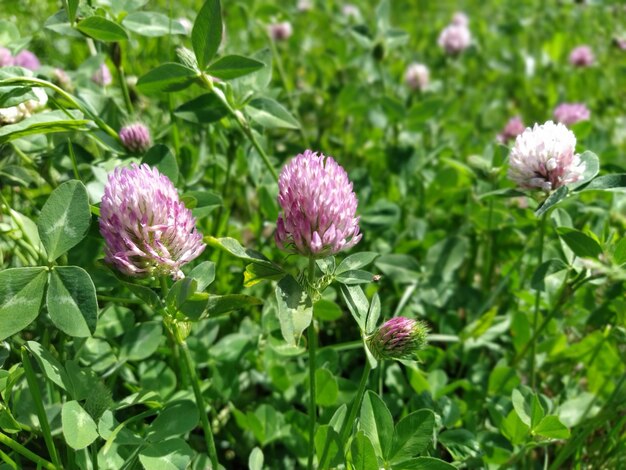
<point>122,79</point>
<point>312,392</point>
<point>70,148</point>
<point>241,122</point>
<point>33,387</point>
<point>100,123</point>
<point>356,404</point>
<point>542,230</point>
<point>8,460</point>
<point>208,434</point>
<point>20,449</point>
<point>283,78</point>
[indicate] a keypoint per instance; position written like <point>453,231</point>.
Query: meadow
<point>312,234</point>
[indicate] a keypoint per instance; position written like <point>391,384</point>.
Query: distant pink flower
<point>61,78</point>
<point>544,157</point>
<point>571,113</point>
<point>513,128</point>
<point>147,230</point>
<point>6,58</point>
<point>27,59</point>
<point>136,137</point>
<point>318,205</point>
<point>102,76</point>
<point>460,19</point>
<point>398,338</point>
<point>350,11</point>
<point>304,5</point>
<point>620,43</point>
<point>280,31</point>
<point>581,56</point>
<point>417,76</point>
<point>454,38</point>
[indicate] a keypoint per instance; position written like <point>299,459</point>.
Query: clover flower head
<point>147,230</point>
<point>417,76</point>
<point>136,137</point>
<point>102,76</point>
<point>513,128</point>
<point>544,157</point>
<point>27,59</point>
<point>460,19</point>
<point>280,31</point>
<point>398,338</point>
<point>571,113</point>
<point>318,205</point>
<point>6,58</point>
<point>582,56</point>
<point>455,38</point>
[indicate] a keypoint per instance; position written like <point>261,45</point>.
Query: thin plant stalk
<point>33,387</point>
<point>312,391</point>
<point>542,230</point>
<point>241,122</point>
<point>23,451</point>
<point>204,420</point>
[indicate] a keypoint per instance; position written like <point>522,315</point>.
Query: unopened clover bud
<point>398,338</point>
<point>136,137</point>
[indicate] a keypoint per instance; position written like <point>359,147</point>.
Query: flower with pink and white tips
<point>318,205</point>
<point>147,230</point>
<point>571,113</point>
<point>514,127</point>
<point>455,38</point>
<point>398,338</point>
<point>544,157</point>
<point>136,137</point>
<point>417,76</point>
<point>280,31</point>
<point>582,56</point>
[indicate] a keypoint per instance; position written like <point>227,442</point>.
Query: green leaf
<point>72,8</point>
<point>233,247</point>
<point>546,268</point>
<point>64,218</point>
<point>203,109</point>
<point>21,293</point>
<point>607,182</point>
<point>79,429</point>
<point>98,27</point>
<point>256,273</point>
<point>327,389</point>
<point>581,244</point>
<point>152,24</point>
<point>355,277</point>
<point>177,418</point>
<point>220,304</point>
<point>14,95</point>
<point>271,114</point>
<point>373,314</point>
<point>424,463</point>
<point>233,66</point>
<point>412,436</point>
<point>182,297</point>
<point>140,342</point>
<point>201,203</point>
<point>363,453</point>
<point>357,303</point>
<point>334,455</point>
<point>551,427</point>
<point>356,261</point>
<point>619,253</point>
<point>51,367</point>
<point>519,404</point>
<point>161,157</point>
<point>206,34</point>
<point>71,301</point>
<point>592,166</point>
<point>552,200</point>
<point>173,454</point>
<point>44,123</point>
<point>295,309</point>
<point>376,422</point>
<point>204,275</point>
<point>514,429</point>
<point>255,460</point>
<point>327,310</point>
<point>166,78</point>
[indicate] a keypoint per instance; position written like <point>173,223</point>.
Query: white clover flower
<point>544,158</point>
